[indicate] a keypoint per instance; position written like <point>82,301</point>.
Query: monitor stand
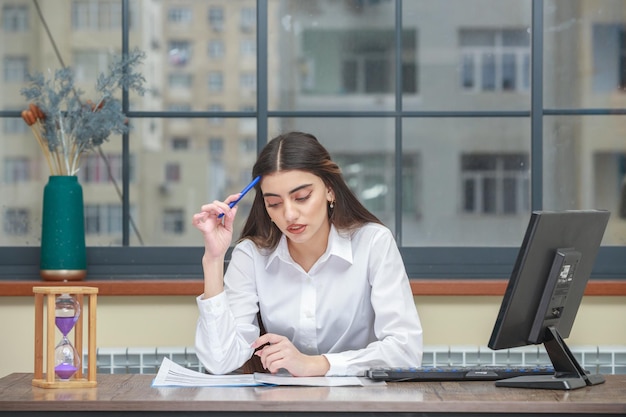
<point>568,374</point>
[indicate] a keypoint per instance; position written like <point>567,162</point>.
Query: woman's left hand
<point>279,353</point>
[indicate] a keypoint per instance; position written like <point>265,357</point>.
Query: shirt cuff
<point>338,366</point>
<point>214,306</point>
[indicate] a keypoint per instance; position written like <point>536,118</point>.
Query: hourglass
<point>66,358</point>
<point>63,362</point>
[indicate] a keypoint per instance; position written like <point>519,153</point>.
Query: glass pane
<point>585,168</point>
<point>88,36</point>
<point>335,55</point>
<point>201,55</point>
<point>471,184</point>
<point>469,61</point>
<point>364,150</point>
<point>173,181</point>
<point>101,178</point>
<point>24,174</point>
<point>584,54</point>
<point>488,72</point>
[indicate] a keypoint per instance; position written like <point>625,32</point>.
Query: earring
<point>332,204</point>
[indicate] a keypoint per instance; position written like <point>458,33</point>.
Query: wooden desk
<point>132,395</point>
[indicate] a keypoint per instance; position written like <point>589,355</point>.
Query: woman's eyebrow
<point>298,188</point>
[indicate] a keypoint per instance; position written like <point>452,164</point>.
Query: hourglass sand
<point>66,358</point>
<point>63,362</point>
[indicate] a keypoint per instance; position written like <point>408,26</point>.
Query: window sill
<point>193,287</point>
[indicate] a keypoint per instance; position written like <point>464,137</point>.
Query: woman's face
<point>297,201</point>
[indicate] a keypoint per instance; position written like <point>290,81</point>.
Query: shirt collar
<point>339,245</point>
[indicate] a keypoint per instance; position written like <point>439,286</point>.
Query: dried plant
<point>66,126</point>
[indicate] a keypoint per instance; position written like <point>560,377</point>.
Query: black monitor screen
<point>545,290</point>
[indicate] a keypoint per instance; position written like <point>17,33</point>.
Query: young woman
<point>321,271</point>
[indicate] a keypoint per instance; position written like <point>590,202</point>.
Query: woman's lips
<point>296,228</point>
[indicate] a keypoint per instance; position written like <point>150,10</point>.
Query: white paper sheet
<point>172,374</point>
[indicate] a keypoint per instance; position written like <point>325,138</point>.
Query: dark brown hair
<point>303,152</point>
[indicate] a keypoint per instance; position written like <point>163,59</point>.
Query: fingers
<point>215,210</point>
<point>272,357</point>
<point>200,217</point>
<point>270,338</point>
<point>275,351</point>
<point>274,362</point>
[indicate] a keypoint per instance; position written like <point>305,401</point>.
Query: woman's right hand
<point>217,232</point>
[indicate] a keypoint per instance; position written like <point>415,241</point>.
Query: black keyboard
<point>455,373</point>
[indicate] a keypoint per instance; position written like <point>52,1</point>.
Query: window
<point>14,18</point>
<point>247,146</point>
<point>495,184</point>
<point>446,168</point>
<point>14,126</point>
<point>180,80</point>
<point>89,63</point>
<point>495,60</point>
<point>179,53</point>
<point>216,48</point>
<point>216,147</point>
<point>179,144</point>
<point>609,57</point>
<point>103,219</point>
<point>96,170</point>
<point>248,19</point>
<point>179,15</point>
<point>16,169</point>
<point>366,62</point>
<point>15,68</point>
<point>16,221</point>
<point>247,48</point>
<point>247,81</point>
<point>216,81</point>
<point>172,172</point>
<point>216,18</point>
<point>370,177</point>
<point>174,221</point>
<point>96,15</point>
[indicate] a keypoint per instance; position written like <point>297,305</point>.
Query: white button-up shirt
<point>355,305</point>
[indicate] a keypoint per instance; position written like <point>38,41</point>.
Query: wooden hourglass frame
<point>50,294</point>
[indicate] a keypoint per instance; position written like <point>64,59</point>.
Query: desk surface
<point>131,394</point>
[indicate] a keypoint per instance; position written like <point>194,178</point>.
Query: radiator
<point>607,360</point>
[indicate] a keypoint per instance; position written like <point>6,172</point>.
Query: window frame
<point>15,68</point>
<point>15,220</point>
<point>15,18</point>
<point>138,262</point>
<point>17,169</point>
<point>498,51</point>
<point>499,175</point>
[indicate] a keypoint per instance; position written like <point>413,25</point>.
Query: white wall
<point>149,321</point>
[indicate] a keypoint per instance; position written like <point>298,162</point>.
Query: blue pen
<point>241,194</point>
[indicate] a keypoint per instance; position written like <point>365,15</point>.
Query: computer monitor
<point>544,292</point>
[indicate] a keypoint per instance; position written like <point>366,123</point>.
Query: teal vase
<point>63,252</point>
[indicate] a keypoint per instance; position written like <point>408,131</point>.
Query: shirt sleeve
<point>396,325</point>
<point>227,323</point>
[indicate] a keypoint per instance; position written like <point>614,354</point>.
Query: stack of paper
<point>173,375</point>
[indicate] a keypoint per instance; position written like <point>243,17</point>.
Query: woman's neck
<point>306,254</point>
